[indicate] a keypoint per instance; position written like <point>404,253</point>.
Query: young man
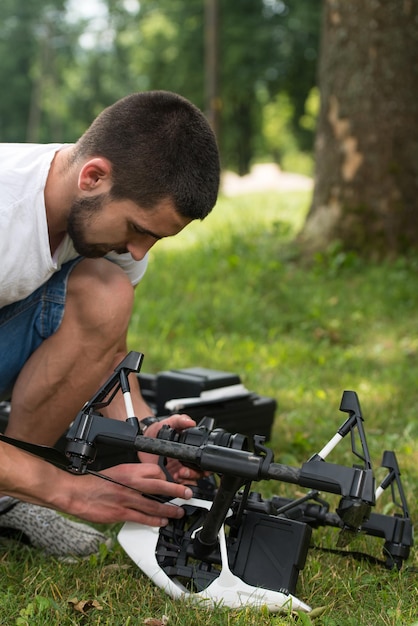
<point>76,224</point>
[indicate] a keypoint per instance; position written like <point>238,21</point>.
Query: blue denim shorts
<point>24,325</point>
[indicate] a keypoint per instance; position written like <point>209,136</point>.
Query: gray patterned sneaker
<point>48,530</point>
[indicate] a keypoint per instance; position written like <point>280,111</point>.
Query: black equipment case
<point>202,392</point>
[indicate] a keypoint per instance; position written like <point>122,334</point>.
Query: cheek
<point>109,229</point>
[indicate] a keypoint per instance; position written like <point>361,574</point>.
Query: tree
<point>265,46</point>
<point>62,67</point>
<point>17,48</point>
<point>366,185</point>
<point>59,68</point>
<point>34,48</point>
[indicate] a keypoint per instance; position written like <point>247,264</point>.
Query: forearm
<point>28,478</point>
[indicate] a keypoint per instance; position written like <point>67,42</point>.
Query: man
<point>76,224</point>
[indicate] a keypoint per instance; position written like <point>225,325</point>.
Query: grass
<point>230,294</point>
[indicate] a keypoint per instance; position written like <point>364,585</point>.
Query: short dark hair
<point>160,145</point>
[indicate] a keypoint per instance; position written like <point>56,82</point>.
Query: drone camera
<point>202,435</point>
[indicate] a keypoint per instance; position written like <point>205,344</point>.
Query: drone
<point>233,547</point>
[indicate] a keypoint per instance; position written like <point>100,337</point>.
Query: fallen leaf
<point>115,566</point>
<point>82,606</point>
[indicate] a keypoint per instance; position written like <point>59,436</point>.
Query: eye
<point>142,231</point>
<point>135,228</point>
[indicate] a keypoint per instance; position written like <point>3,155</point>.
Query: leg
<point>69,366</point>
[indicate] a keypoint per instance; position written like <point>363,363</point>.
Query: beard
<point>81,214</point>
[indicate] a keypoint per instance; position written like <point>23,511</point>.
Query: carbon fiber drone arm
<point>354,484</point>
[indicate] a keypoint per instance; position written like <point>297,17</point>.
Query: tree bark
<point>366,153</point>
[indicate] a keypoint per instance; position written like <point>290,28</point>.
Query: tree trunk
<point>366,184</point>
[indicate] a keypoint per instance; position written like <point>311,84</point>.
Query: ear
<point>95,174</point>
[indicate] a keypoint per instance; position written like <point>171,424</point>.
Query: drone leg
<point>207,538</point>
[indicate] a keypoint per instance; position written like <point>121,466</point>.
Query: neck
<point>59,196</point>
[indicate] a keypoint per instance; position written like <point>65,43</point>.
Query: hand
<point>178,472</point>
<point>101,501</point>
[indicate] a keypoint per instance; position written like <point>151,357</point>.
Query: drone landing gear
<point>227,576</point>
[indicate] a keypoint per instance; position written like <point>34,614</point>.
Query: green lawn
<point>229,293</point>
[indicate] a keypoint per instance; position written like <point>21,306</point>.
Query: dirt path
<point>264,177</point>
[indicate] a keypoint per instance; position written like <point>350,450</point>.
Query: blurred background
<point>271,75</point>
<point>250,65</point>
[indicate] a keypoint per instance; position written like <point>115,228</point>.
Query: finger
<point>152,512</point>
<point>177,421</point>
<point>184,473</point>
<point>153,519</point>
<point>187,472</point>
<point>148,478</point>
<point>165,488</point>
<point>131,473</point>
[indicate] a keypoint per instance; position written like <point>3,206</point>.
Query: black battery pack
<point>272,551</point>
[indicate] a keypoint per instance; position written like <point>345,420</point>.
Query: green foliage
<point>269,48</point>
<point>62,69</point>
<point>35,47</point>
<point>36,610</point>
<point>310,115</point>
<point>278,137</point>
<point>277,116</point>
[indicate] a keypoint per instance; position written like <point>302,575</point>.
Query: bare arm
<point>33,480</point>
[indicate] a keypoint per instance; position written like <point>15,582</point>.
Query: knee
<point>101,296</point>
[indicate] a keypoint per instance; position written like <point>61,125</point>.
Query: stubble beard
<point>82,211</point>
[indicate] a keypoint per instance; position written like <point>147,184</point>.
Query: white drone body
<point>140,543</point>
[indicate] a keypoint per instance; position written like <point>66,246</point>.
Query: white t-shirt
<point>25,256</point>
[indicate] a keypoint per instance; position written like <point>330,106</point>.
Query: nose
<point>138,250</point>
